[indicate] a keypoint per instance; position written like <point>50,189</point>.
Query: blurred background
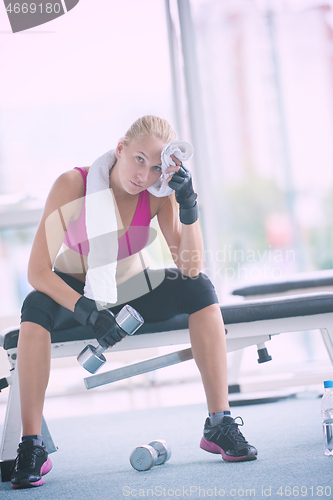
<point>250,84</point>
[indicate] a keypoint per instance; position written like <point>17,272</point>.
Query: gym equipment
<point>146,456</point>
<point>301,283</point>
<point>128,320</point>
<point>263,355</point>
<point>251,322</point>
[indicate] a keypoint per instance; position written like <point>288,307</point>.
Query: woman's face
<point>139,163</point>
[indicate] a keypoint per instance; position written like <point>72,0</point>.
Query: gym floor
<point>92,461</point>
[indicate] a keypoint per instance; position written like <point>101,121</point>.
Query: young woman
<point>59,277</point>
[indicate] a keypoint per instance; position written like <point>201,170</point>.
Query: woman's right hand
<point>103,322</point>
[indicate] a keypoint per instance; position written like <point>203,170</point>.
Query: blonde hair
<point>151,126</point>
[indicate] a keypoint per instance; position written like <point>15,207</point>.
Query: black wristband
<point>189,215</point>
<point>85,311</point>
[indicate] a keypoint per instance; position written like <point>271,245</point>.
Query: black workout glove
<point>103,322</point>
<point>181,183</point>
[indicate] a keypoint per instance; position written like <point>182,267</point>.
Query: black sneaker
<point>31,464</point>
<point>226,438</point>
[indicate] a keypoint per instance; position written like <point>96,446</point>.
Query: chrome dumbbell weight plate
<point>146,456</point>
<point>163,449</point>
<point>91,359</point>
<point>129,319</point>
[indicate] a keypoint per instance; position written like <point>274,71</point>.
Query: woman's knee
<point>201,289</point>
<point>39,309</point>
<point>195,293</point>
<point>31,329</point>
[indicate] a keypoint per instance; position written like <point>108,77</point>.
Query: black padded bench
<point>319,281</point>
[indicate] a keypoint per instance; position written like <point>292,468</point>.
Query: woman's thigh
<point>177,294</point>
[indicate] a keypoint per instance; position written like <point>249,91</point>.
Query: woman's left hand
<point>181,183</point>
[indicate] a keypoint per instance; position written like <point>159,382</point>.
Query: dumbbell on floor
<point>146,456</point>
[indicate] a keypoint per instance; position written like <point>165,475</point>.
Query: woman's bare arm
<point>184,241</point>
<point>61,205</point>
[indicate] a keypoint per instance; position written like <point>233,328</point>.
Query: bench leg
<point>47,438</point>
<point>12,429</point>
<point>327,335</point>
<point>11,434</point>
<point>234,369</point>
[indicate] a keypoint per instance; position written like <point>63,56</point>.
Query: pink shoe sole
<point>214,448</point>
<point>46,467</point>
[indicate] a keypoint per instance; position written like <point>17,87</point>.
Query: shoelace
<point>26,457</point>
<point>231,430</point>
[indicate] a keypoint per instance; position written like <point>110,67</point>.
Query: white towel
<point>181,150</point>
<point>101,224</point>
<point>101,220</point>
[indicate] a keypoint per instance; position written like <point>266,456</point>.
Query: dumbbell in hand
<point>108,329</point>
<point>146,456</point>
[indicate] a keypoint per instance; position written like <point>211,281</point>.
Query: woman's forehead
<point>148,144</point>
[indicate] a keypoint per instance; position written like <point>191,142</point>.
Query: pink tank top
<point>135,238</point>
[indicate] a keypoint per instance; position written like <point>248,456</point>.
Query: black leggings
<point>176,294</point>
